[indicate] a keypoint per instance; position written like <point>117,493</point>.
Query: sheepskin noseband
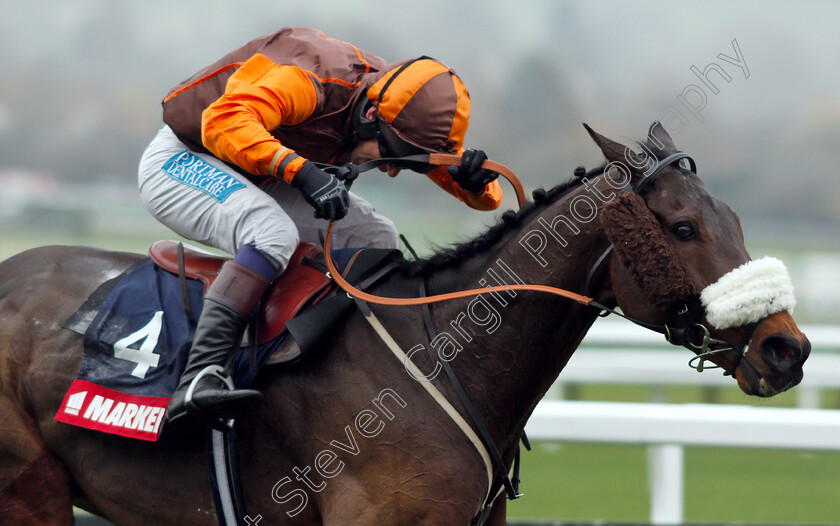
<point>643,250</point>
<point>748,294</point>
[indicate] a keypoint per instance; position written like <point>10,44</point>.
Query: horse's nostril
<point>781,351</point>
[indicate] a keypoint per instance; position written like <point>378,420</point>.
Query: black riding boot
<point>229,302</point>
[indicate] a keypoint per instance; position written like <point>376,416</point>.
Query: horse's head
<point>679,263</point>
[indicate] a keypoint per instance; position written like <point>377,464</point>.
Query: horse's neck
<point>520,344</point>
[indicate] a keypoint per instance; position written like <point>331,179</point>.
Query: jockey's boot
<point>228,305</point>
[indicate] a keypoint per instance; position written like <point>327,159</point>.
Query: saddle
<point>301,301</point>
<point>300,285</point>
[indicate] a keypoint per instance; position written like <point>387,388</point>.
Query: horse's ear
<point>658,140</point>
<point>613,151</point>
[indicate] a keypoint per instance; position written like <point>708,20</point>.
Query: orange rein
<point>452,159</point>
<point>447,160</point>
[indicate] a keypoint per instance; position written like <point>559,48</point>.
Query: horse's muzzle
<point>784,354</point>
<point>776,354</point>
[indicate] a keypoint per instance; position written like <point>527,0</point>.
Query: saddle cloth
<point>137,334</point>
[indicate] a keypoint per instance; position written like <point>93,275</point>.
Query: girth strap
<point>224,475</point>
<point>486,439</point>
<point>441,400</point>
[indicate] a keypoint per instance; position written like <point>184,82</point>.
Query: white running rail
<point>667,428</point>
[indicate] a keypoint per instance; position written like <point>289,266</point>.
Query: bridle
<point>694,336</point>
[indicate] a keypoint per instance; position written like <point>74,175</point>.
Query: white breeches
<point>204,200</point>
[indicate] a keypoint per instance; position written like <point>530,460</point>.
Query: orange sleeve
<point>489,200</point>
<point>259,97</point>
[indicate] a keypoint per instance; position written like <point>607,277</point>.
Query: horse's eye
<point>684,231</point>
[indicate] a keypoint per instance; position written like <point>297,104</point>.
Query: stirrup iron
<point>216,371</point>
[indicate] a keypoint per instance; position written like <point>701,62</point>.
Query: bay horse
<point>349,435</point>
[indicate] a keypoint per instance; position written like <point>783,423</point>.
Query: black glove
<point>469,174</point>
<point>323,191</point>
<point>347,173</point>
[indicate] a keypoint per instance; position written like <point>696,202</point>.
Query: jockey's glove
<point>469,175</point>
<point>327,195</point>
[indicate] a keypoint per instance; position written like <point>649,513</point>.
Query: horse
<point>349,435</point>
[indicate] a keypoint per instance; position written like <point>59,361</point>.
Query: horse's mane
<point>448,257</point>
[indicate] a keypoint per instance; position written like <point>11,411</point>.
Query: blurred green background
<point>584,482</point>
<point>589,482</point>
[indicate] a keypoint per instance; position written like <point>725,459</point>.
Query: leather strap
<point>381,300</point>
<point>451,159</point>
<point>441,400</point>
<point>182,281</point>
<point>486,439</point>
<point>661,165</point>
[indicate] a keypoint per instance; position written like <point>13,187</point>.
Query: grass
<point>585,482</point>
<point>582,481</point>
<point>762,485</point>
<point>599,482</point>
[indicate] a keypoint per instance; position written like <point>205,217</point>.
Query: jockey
<point>234,168</point>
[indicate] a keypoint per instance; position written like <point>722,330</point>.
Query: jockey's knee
<point>258,261</point>
<point>365,227</point>
<point>278,249</point>
<point>270,232</point>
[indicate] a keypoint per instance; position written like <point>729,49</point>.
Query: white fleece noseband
<point>748,294</point>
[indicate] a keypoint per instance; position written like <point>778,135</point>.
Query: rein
<point>444,160</point>
<point>438,159</point>
<point>441,159</point>
<point>695,336</point>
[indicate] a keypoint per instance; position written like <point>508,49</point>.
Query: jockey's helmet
<point>424,107</point>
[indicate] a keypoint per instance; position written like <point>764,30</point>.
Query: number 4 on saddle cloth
<point>138,329</point>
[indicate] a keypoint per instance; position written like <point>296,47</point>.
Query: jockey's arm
<point>259,97</point>
<point>490,199</point>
